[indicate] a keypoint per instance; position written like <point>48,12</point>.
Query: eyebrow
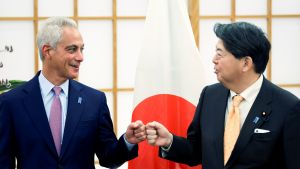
<point>73,46</point>
<point>219,49</point>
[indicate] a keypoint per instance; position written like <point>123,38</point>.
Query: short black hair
<point>244,39</point>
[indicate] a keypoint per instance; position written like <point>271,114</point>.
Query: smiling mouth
<point>75,66</point>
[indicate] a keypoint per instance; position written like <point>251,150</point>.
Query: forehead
<point>220,49</point>
<point>71,36</point>
<point>220,45</point>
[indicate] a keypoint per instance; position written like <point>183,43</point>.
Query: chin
<point>220,79</point>
<point>73,76</point>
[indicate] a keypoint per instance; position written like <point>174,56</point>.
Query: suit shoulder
<point>87,89</point>
<point>217,87</point>
<point>14,93</point>
<point>282,96</point>
<point>282,93</point>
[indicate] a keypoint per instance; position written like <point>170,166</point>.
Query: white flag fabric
<point>169,76</point>
<point>169,61</point>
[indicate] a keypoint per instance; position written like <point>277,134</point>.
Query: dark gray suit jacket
<point>274,109</point>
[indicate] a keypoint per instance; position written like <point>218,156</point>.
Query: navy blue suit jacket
<point>274,109</point>
<point>25,133</point>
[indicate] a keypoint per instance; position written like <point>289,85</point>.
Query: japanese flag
<point>169,77</point>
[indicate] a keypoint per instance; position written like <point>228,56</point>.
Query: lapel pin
<point>264,116</point>
<point>255,119</point>
<point>79,100</point>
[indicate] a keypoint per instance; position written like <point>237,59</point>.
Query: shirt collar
<point>47,86</point>
<point>251,91</point>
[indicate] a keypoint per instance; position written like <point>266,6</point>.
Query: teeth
<point>76,66</point>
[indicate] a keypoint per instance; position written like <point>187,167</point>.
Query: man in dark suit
<point>39,134</point>
<point>269,117</point>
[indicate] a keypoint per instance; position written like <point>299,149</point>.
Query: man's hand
<point>135,132</point>
<point>158,135</point>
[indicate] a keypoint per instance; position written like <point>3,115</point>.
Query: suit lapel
<point>219,120</point>
<point>213,103</point>
<point>76,102</point>
<point>35,108</point>
<point>258,114</point>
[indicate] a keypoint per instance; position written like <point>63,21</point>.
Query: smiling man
<point>55,122</point>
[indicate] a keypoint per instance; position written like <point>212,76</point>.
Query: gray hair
<point>51,32</point>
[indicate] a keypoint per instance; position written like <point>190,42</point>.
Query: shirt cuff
<point>129,145</point>
<point>165,150</point>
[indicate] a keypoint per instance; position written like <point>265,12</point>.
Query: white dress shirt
<point>249,96</point>
<point>48,95</point>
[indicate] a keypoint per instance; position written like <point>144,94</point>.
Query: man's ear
<point>45,51</point>
<point>247,63</point>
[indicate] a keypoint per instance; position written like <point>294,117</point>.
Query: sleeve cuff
<point>129,145</point>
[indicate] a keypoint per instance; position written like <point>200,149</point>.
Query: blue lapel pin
<point>79,100</point>
<point>255,119</point>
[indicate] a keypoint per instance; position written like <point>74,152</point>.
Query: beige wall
<point>112,30</point>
